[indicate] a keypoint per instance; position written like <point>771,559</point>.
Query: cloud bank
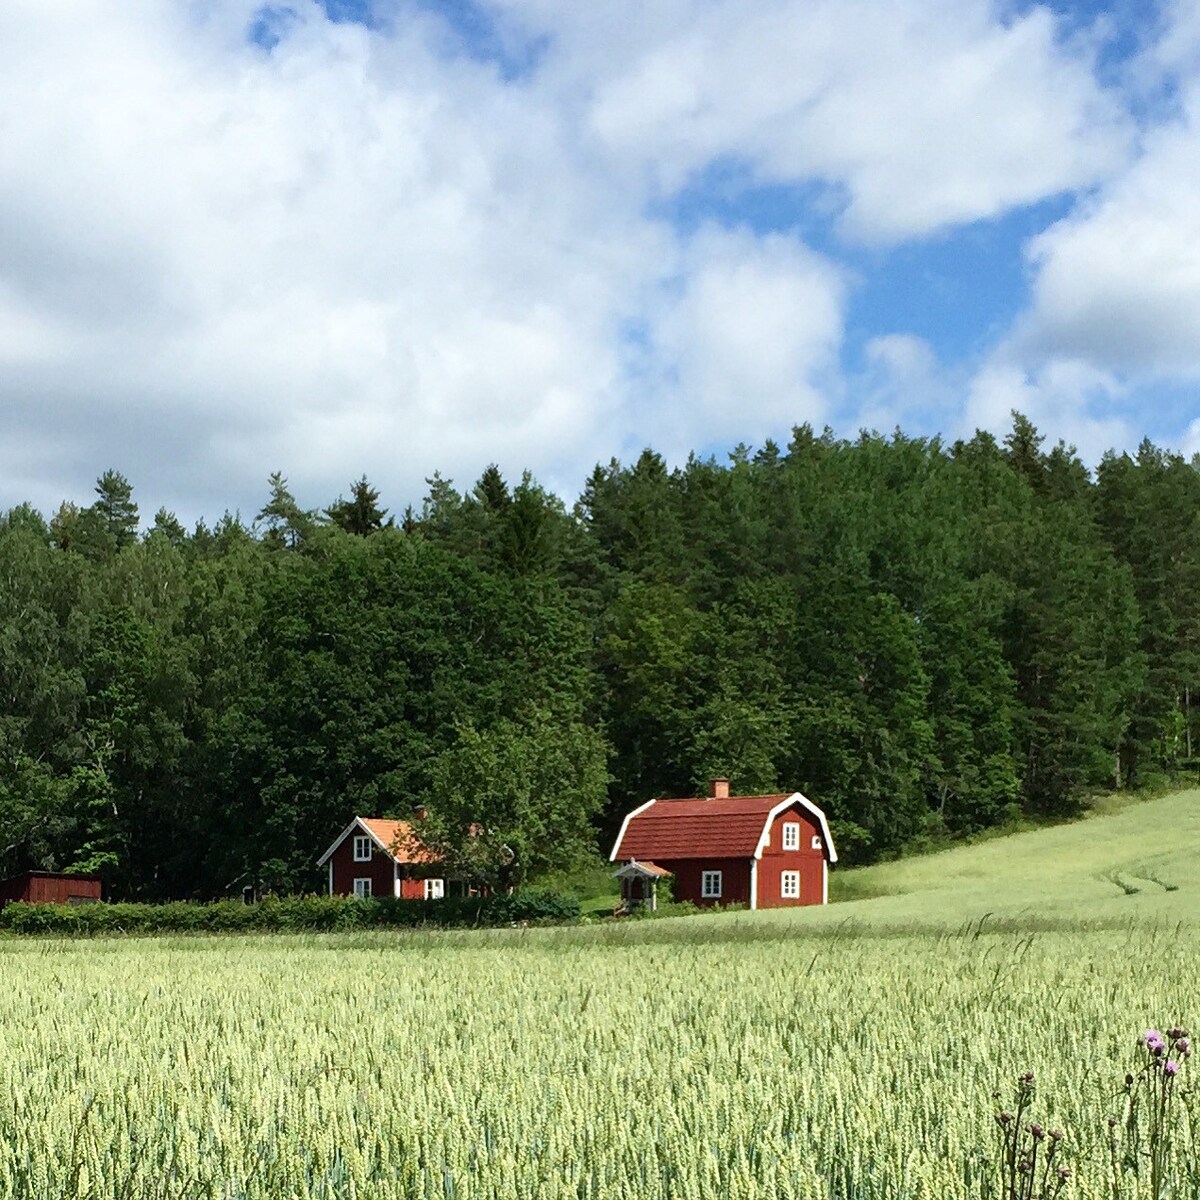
<point>235,239</point>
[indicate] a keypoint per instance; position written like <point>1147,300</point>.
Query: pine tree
<point>116,509</point>
<point>361,514</point>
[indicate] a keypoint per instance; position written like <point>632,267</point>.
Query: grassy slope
<point>1142,861</point>
<point>1127,862</point>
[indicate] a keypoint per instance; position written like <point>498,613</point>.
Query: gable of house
<point>717,827</point>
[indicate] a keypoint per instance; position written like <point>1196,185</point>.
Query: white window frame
<point>711,884</point>
<point>362,888</point>
<point>789,885</point>
<point>363,849</point>
<point>435,889</point>
<point>791,835</point>
<point>816,842</point>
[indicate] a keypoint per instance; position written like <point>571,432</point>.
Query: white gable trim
<point>356,824</point>
<point>811,809</point>
<point>625,825</point>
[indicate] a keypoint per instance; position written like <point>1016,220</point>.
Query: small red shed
<point>374,856</point>
<point>762,851</point>
<point>50,887</point>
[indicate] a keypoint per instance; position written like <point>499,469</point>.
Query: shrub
<point>289,914</point>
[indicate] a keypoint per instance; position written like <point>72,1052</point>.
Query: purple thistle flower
<point>1183,1046</point>
<point>1171,1067</point>
<point>1152,1040</point>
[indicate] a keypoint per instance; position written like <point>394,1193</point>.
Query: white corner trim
<point>331,877</point>
<point>358,824</point>
<point>824,882</point>
<point>811,809</point>
<point>625,825</point>
<point>753,884</point>
<point>337,841</point>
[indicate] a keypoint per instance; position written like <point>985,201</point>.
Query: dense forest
<point>928,640</point>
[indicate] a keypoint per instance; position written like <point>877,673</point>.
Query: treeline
<point>927,639</point>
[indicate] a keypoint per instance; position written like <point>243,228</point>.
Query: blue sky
<point>400,236</point>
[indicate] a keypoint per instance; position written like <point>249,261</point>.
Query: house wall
<point>346,870</point>
<point>808,861</point>
<point>735,882</point>
<point>379,871</point>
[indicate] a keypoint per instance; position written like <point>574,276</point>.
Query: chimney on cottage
<point>420,812</point>
<point>720,789</point>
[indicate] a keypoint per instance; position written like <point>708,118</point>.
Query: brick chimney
<point>720,789</point>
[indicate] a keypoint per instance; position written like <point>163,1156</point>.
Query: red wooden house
<point>50,887</point>
<point>377,857</point>
<point>761,851</point>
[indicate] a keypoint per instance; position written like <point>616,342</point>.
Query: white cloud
<point>1066,399</point>
<point>1111,337</point>
<point>927,113</point>
<point>744,340</point>
<point>904,386</point>
<point>1119,281</point>
<point>359,252</point>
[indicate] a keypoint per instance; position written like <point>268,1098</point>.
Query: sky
<point>394,237</point>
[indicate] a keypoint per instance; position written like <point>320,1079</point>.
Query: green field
<point>844,1053</point>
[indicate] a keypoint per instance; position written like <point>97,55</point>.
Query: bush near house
<point>289,914</point>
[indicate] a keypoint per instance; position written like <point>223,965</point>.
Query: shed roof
<point>717,827</point>
<point>633,867</point>
<point>397,839</point>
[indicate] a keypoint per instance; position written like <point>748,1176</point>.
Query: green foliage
<point>930,641</point>
<point>294,914</point>
<point>361,514</point>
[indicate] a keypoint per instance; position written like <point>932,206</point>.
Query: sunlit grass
<point>824,1054</point>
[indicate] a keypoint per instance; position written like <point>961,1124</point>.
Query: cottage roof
<point>716,827</point>
<point>397,839</point>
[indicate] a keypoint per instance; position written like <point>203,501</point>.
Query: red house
<point>377,857</point>
<point>50,887</point>
<point>761,851</point>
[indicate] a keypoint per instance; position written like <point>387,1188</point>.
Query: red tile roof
<point>399,839</point>
<point>725,827</point>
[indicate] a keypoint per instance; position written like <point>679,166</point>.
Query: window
<point>435,889</point>
<point>362,849</point>
<point>816,842</point>
<point>362,889</point>
<point>790,885</point>
<point>791,835</point>
<point>710,885</point>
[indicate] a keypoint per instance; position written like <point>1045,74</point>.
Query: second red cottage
<point>761,851</point>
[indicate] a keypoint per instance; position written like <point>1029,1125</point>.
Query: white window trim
<point>816,842</point>
<point>435,889</point>
<point>791,835</point>
<point>712,884</point>
<point>786,878</point>
<point>361,841</point>
<point>363,893</point>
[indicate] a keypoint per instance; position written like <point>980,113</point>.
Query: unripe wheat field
<point>850,1052</point>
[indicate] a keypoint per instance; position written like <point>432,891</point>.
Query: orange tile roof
<point>725,827</point>
<point>400,839</point>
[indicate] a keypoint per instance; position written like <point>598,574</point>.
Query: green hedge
<point>289,914</point>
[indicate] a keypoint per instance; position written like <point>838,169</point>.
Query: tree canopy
<point>927,639</point>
